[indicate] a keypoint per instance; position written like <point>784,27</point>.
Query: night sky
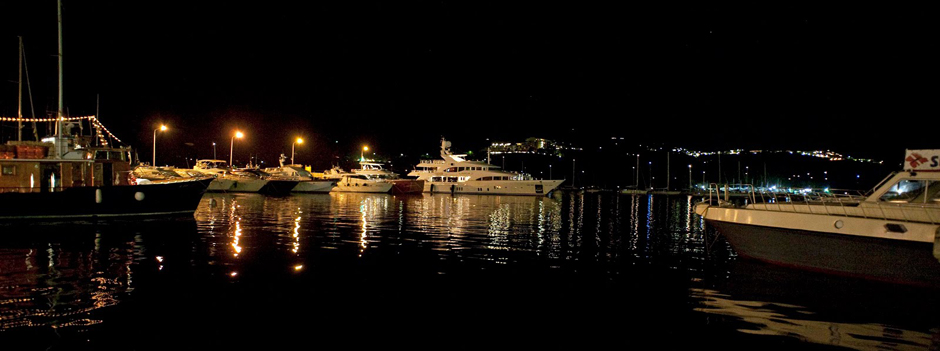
<point>399,76</point>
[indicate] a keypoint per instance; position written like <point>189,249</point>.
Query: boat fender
<point>98,197</point>
<point>139,196</point>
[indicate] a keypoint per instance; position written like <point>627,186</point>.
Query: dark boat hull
<point>879,259</point>
<point>278,187</point>
<point>407,186</point>
<point>154,199</point>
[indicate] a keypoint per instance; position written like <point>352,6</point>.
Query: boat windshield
<point>913,191</point>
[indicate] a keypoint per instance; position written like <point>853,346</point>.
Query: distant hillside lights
<point>549,147</point>
<point>532,146</point>
<point>830,155</point>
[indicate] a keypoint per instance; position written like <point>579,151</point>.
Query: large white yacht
<point>455,175</point>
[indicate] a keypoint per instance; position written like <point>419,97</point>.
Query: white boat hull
<point>362,186</point>
<point>314,186</point>
<point>872,248</point>
<point>494,187</point>
<point>248,185</point>
<point>220,184</point>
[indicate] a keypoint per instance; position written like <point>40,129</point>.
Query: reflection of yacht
<point>889,235</point>
<point>306,182</point>
<point>453,174</point>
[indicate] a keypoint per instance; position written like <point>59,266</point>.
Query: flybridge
<point>922,160</point>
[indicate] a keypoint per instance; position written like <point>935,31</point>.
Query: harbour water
<point>431,271</point>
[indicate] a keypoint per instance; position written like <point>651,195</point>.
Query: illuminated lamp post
<point>298,141</point>
<point>162,128</point>
<point>231,148</point>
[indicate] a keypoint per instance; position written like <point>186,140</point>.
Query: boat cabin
<point>34,172</point>
<point>919,183</point>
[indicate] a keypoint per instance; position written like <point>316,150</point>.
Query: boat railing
<point>719,196</point>
<point>843,203</point>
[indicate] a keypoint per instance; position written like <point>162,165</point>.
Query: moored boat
<point>69,176</point>
<point>306,182</point>
<point>90,183</point>
<point>455,175</point>
<point>243,180</point>
<point>893,234</point>
<point>377,171</point>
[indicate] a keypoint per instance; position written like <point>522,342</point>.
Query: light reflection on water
<point>572,257</point>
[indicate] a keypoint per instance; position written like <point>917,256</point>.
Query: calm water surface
<point>431,271</point>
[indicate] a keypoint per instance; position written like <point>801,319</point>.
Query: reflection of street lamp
<point>298,141</point>
<point>162,128</point>
<point>231,147</point>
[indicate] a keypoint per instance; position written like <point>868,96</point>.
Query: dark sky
<point>398,76</point>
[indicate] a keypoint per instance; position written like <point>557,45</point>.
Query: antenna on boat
<point>19,100</point>
<point>98,110</point>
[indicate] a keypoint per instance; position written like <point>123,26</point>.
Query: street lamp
<point>231,147</point>
<point>162,128</point>
<point>690,177</point>
<point>362,156</point>
<point>213,151</point>
<point>298,141</point>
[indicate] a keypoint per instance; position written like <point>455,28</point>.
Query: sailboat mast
<point>19,95</point>
<point>61,138</point>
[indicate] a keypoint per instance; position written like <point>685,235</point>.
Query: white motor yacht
<point>217,169</point>
<point>375,170</point>
<point>893,234</point>
<point>455,175</point>
<point>368,182</point>
<point>306,182</point>
<point>247,180</point>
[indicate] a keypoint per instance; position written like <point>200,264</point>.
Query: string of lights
<point>93,119</point>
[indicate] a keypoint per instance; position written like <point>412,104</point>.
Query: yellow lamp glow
<point>298,141</point>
